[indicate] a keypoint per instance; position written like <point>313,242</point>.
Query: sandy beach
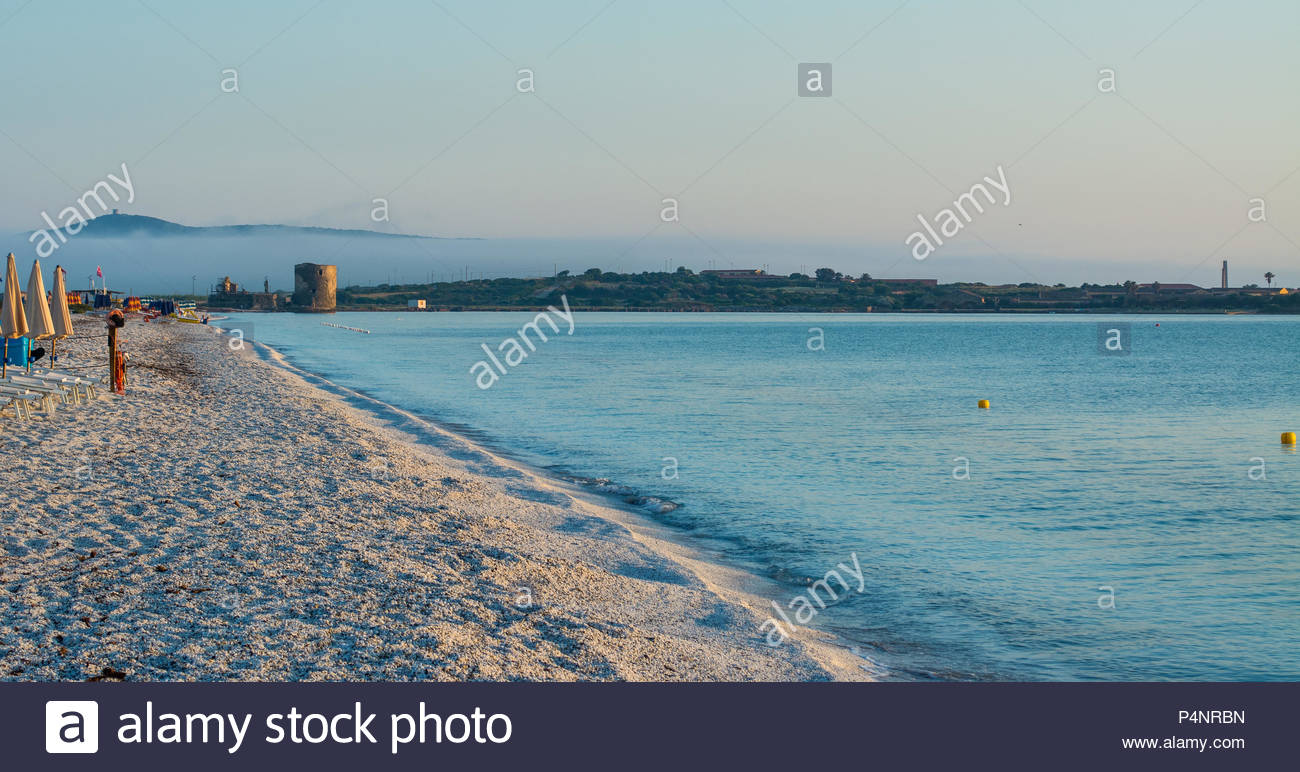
<point>229,520</point>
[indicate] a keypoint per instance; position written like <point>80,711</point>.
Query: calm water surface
<point>1090,470</point>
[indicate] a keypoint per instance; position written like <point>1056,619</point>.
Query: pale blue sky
<point>360,99</point>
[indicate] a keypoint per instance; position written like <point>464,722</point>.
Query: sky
<point>340,103</point>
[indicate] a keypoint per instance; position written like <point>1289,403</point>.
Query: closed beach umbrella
<point>62,317</point>
<point>13,320</point>
<point>39,323</point>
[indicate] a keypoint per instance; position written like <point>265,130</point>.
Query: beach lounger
<point>18,402</point>
<point>70,389</point>
<point>90,383</point>
<point>64,374</point>
<point>25,383</point>
<point>21,401</point>
<point>68,380</point>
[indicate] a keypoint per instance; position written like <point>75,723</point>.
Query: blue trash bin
<point>18,351</point>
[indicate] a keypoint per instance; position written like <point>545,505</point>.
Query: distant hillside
<point>136,226</point>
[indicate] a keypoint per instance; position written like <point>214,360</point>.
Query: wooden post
<point>112,357</point>
<point>4,363</point>
<point>116,359</point>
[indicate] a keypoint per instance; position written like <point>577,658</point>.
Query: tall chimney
<point>1225,274</point>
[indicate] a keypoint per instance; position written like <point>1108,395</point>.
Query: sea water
<point>1114,515</point>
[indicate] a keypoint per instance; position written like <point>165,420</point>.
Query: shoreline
<point>281,549</point>
<point>731,581</point>
<point>817,311</point>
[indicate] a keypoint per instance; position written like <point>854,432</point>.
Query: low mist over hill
<point>149,255</point>
<point>152,255</point>
<point>118,225</point>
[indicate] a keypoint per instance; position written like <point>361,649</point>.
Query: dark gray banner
<point>649,726</point>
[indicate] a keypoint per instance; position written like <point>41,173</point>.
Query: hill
<point>142,226</point>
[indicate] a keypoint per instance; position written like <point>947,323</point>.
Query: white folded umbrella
<point>39,323</point>
<point>61,316</point>
<point>13,320</point>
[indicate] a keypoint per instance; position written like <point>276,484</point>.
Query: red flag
<point>99,272</point>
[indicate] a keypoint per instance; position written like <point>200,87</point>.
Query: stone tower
<point>314,287</point>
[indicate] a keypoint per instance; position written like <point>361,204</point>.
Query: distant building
<point>228,294</point>
<point>315,287</point>
<point>921,282</point>
<point>1254,291</point>
<point>416,305</point>
<point>740,273</point>
<point>1170,288</point>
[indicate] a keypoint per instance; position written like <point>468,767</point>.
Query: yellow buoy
<point>984,403</point>
<point>1288,438</point>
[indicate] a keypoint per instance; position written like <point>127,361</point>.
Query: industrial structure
<point>228,294</point>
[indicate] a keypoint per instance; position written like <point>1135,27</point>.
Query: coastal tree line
<point>825,290</point>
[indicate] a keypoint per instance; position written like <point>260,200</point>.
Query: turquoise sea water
<point>1091,470</point>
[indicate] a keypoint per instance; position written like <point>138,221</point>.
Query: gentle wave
<point>653,504</point>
